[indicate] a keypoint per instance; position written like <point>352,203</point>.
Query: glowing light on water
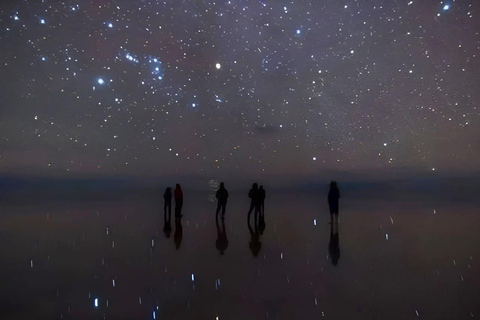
<point>96,303</point>
<point>193,277</point>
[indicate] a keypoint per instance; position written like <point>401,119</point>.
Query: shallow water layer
<point>116,260</point>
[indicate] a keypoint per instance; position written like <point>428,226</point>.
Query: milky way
<point>200,87</point>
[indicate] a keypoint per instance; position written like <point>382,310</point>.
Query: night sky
<point>152,88</point>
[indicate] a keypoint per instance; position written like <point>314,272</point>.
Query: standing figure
<point>333,196</point>
<point>261,199</point>
<point>178,201</point>
<point>253,194</point>
<point>167,200</point>
<point>222,196</point>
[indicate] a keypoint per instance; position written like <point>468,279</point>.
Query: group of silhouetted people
<point>257,205</point>
<point>167,197</point>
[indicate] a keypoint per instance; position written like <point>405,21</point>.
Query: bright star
<point>446,7</point>
<point>42,21</point>
<point>110,25</point>
<point>298,31</point>
<point>218,65</point>
<point>100,81</point>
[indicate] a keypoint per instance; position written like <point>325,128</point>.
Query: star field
<point>157,87</point>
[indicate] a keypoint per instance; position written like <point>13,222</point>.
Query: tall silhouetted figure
<point>222,241</point>
<point>167,200</point>
<point>178,200</point>
<point>261,200</point>
<point>255,244</point>
<point>178,236</point>
<point>333,197</point>
<point>334,245</point>
<point>222,196</point>
<point>253,195</point>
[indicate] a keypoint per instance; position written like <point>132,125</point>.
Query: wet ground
<point>390,259</point>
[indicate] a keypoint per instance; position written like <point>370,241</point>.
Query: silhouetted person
<point>177,237</point>
<point>178,200</point>
<point>333,196</point>
<point>255,244</point>
<point>334,245</point>
<point>167,200</point>
<point>222,196</point>
<point>222,241</point>
<point>261,199</point>
<point>253,194</point>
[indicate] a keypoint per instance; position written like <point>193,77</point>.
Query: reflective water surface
<point>124,260</point>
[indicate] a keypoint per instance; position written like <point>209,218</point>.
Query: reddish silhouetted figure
<point>333,197</point>
<point>178,200</point>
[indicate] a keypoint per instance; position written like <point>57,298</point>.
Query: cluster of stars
<point>329,81</point>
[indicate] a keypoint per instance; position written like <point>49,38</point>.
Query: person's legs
<point>177,208</point>
<point>224,207</point>
<point>219,205</point>
<point>252,206</point>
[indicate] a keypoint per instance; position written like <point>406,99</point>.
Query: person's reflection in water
<point>255,244</point>
<point>177,237</point>
<point>222,241</point>
<point>334,244</point>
